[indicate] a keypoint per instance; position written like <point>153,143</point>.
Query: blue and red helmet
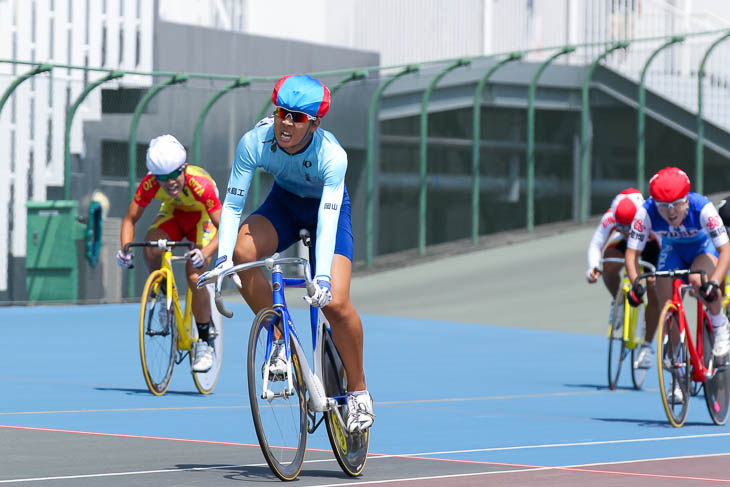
<point>302,93</point>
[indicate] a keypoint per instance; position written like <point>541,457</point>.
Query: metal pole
<point>531,137</point>
<point>41,68</point>
<point>69,121</point>
<point>370,161</point>
<point>700,157</point>
<point>423,166</point>
<point>585,121</point>
<point>198,134</point>
<point>476,122</point>
<point>178,78</point>
<point>642,103</point>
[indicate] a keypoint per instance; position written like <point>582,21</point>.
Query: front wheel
<point>717,388</point>
<point>616,349</point>
<point>350,449</point>
<point>206,381</point>
<point>280,421</point>
<point>674,366</point>
<point>157,335</point>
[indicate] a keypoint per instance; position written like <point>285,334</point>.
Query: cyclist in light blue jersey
<point>692,236</point>
<point>308,165</point>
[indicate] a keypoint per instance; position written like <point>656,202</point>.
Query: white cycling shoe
<point>202,356</point>
<point>645,359</point>
<point>676,396</point>
<point>359,412</point>
<point>722,341</point>
<point>277,363</point>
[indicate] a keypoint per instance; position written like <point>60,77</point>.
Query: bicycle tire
<point>616,346</point>
<point>281,420</point>
<point>205,381</point>
<point>157,335</point>
<point>674,368</point>
<point>638,375</point>
<point>350,449</point>
<point>717,387</point>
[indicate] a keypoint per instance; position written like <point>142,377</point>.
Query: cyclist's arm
<point>134,213</point>
<point>600,237</point>
<point>242,172</point>
<point>329,214</point>
<point>638,236</point>
<point>714,226</point>
<point>212,247</point>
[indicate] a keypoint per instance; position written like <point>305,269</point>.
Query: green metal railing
<point>699,156</point>
<point>585,126</point>
<point>351,74</point>
<point>642,106</point>
<point>423,152</point>
<point>531,136</point>
<point>476,149</point>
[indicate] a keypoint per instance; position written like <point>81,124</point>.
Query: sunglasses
<point>670,205</point>
<point>296,117</point>
<point>623,228</point>
<point>173,175</point>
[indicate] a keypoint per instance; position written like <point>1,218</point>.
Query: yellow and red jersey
<point>198,194</point>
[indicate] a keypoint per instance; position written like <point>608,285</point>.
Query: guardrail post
<point>178,78</point>
<point>370,161</point>
<point>69,121</point>
<point>700,157</point>
<point>531,137</point>
<point>476,122</point>
<point>642,104</point>
<point>198,134</point>
<point>423,151</point>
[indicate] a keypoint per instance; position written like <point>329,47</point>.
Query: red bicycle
<point>682,362</point>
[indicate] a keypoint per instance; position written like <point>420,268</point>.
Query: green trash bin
<point>51,264</point>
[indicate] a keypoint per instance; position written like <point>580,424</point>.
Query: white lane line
<point>379,403</point>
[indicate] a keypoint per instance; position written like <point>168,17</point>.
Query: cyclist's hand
<point>636,294</point>
<point>125,259</point>
<point>710,291</point>
<point>593,274</point>
<point>195,257</point>
<point>221,264</point>
<point>322,294</point>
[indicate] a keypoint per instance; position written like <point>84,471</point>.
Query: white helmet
<point>165,154</point>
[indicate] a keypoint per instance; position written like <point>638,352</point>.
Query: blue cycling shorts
<point>289,213</point>
<point>681,255</point>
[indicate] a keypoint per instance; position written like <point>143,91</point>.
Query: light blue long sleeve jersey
<point>316,172</point>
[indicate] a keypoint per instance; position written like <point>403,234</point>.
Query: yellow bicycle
<point>166,334</point>
<point>626,330</point>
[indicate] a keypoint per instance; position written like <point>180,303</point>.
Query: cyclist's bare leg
<point>612,271</point>
<point>707,263</point>
<point>153,255</point>
<point>346,324</point>
<point>257,238</point>
<point>201,298</point>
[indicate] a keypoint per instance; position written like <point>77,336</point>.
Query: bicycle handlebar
<point>269,263</point>
<point>161,244</point>
<point>621,260</point>
<point>676,273</point>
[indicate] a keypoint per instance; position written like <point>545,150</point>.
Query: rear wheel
<point>638,375</point>
<point>280,422</point>
<point>616,349</point>
<point>157,335</point>
<point>206,381</point>
<point>350,449</point>
<point>674,366</point>
<point>717,388</point>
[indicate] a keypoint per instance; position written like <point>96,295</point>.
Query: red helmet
<point>625,204</point>
<point>669,184</point>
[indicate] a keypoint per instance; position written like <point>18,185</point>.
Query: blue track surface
<point>516,396</point>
